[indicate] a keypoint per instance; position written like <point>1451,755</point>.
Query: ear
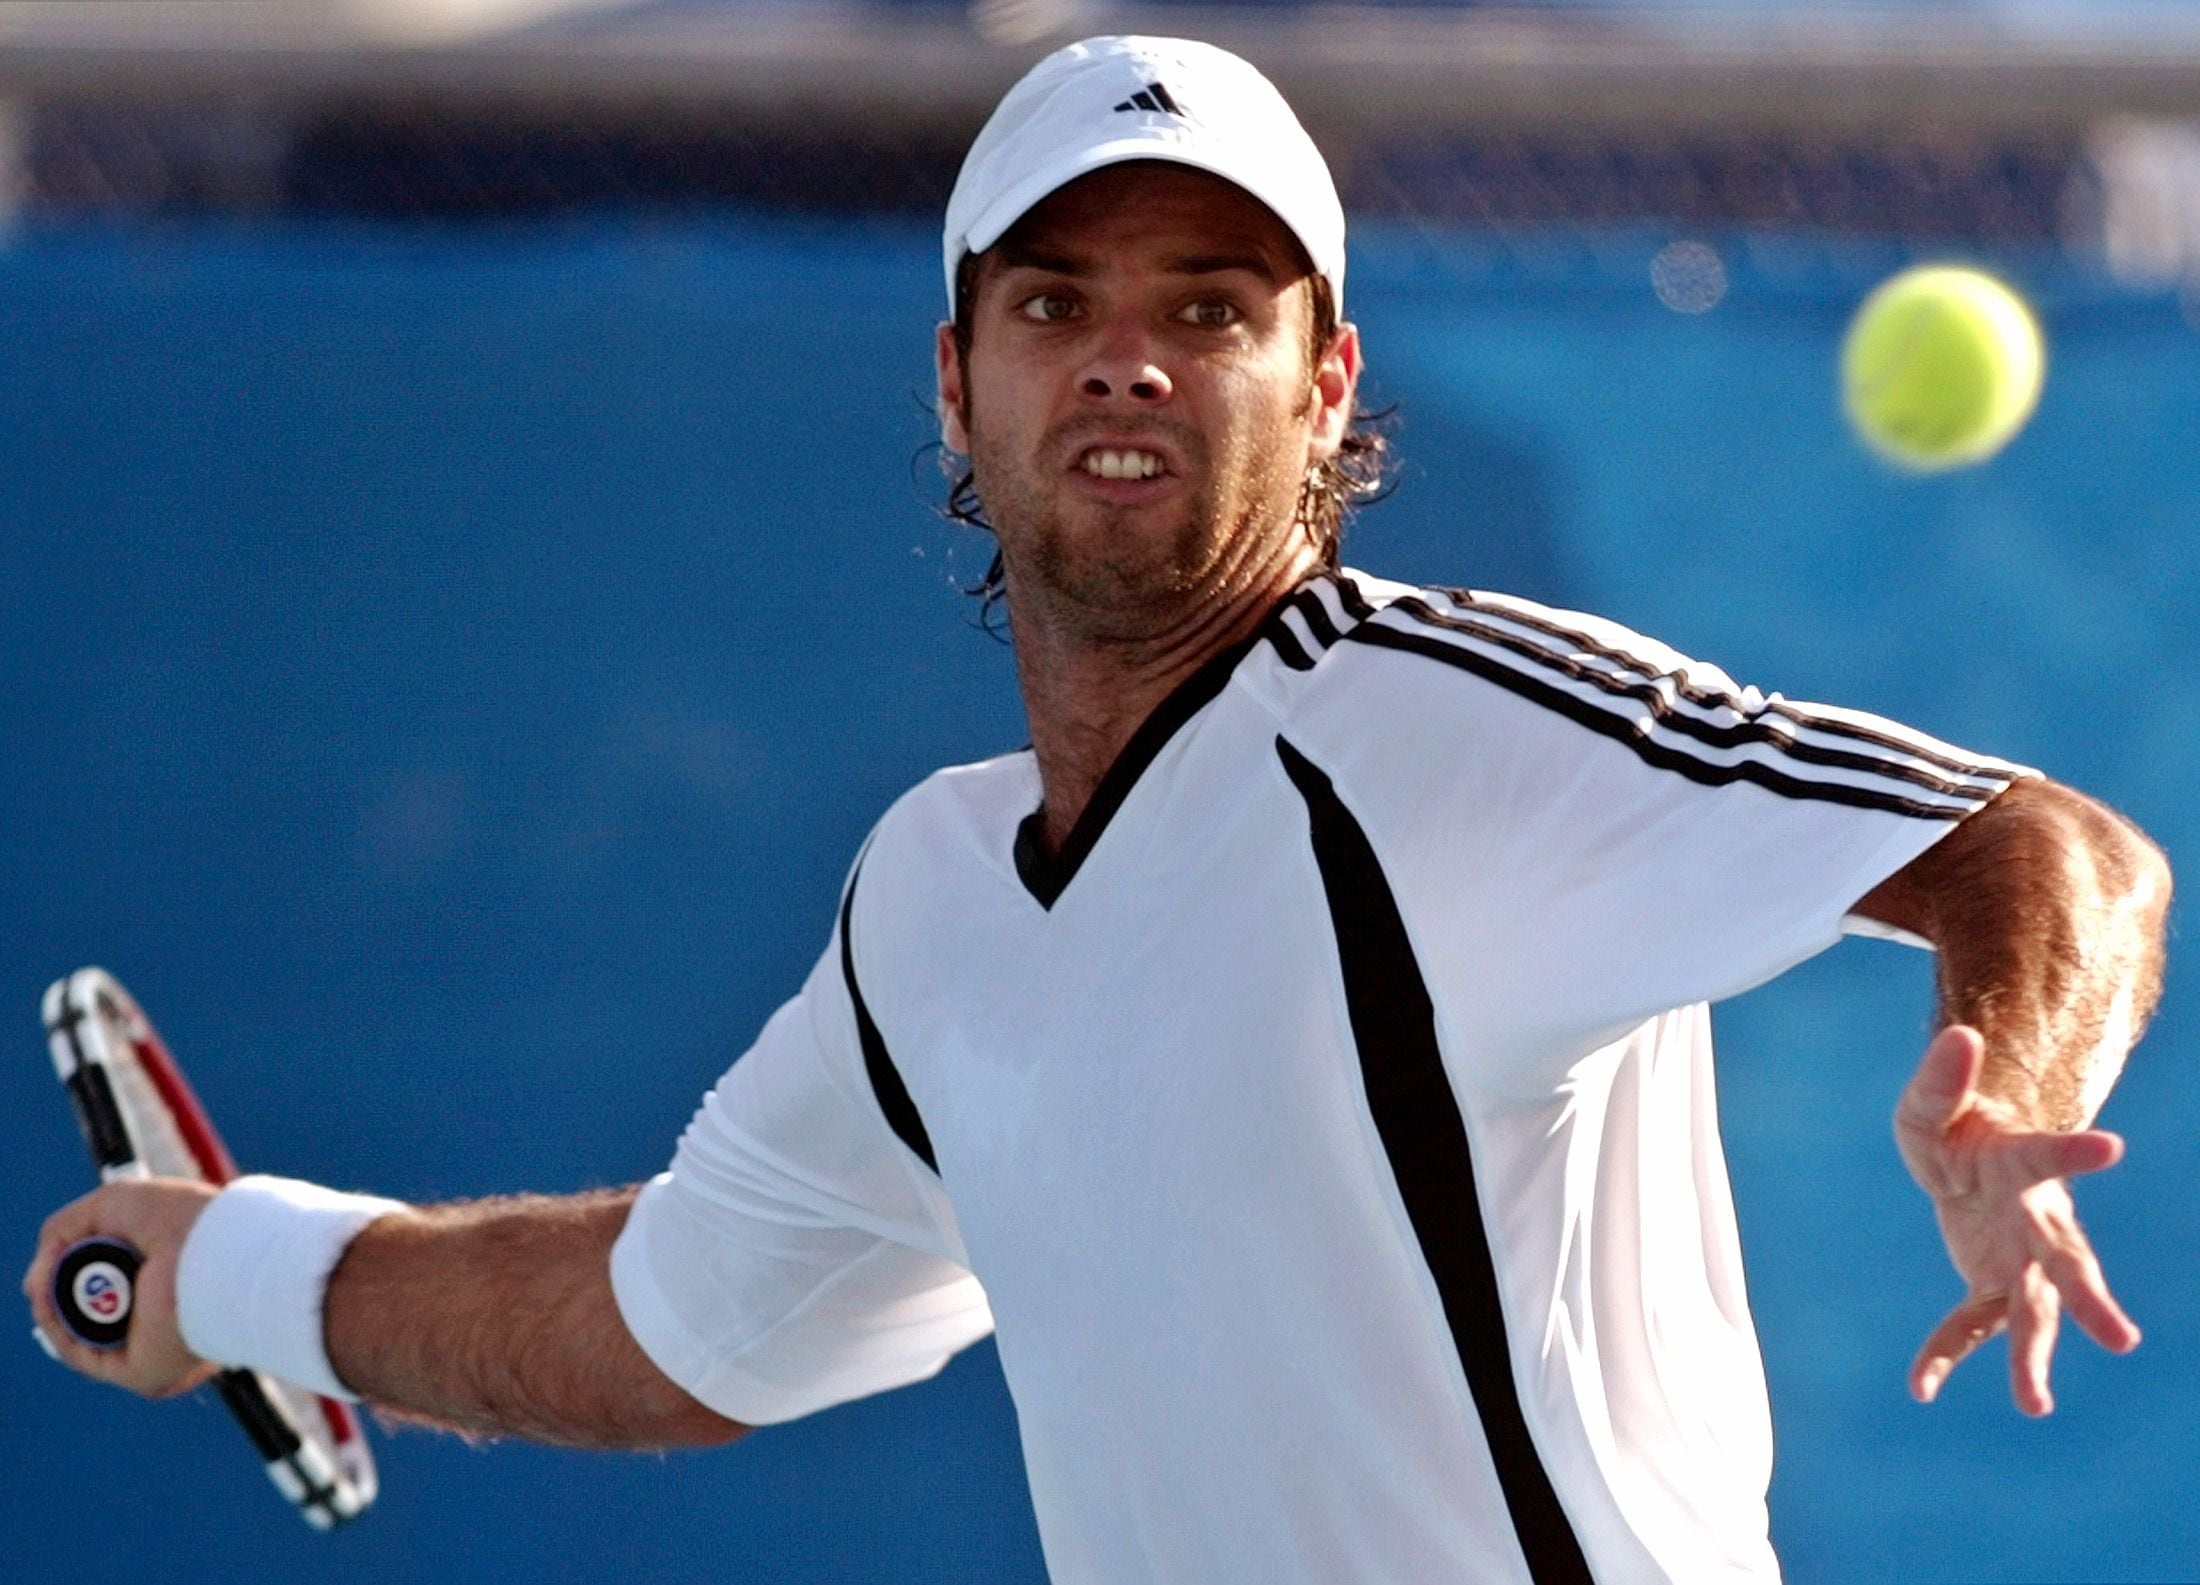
<point>953,434</point>
<point>1336,380</point>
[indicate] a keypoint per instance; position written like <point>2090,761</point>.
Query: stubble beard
<point>1110,573</point>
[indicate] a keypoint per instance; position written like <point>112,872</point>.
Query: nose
<point>1122,364</point>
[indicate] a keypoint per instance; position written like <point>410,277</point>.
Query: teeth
<point>1122,464</point>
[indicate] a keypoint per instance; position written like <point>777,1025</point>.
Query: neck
<point>1086,691</point>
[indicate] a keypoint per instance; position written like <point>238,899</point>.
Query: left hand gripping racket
<point>141,1120</point>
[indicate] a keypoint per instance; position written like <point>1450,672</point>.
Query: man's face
<point>1139,406</point>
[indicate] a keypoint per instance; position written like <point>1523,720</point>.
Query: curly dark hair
<point>1359,472</point>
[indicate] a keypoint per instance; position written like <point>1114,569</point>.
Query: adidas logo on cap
<point>1151,97</point>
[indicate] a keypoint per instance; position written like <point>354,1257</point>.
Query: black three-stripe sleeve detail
<point>1621,729</point>
<point>886,1085</point>
<point>1489,611</point>
<point>1299,649</point>
<point>1424,1136</point>
<point>1752,729</point>
<point>1316,614</point>
<point>1288,648</point>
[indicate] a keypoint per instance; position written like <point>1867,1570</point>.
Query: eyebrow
<point>1017,256</point>
<point>1219,263</point>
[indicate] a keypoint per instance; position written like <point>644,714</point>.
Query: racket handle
<point>94,1289</point>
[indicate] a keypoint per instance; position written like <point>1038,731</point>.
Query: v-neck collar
<point>1047,877</point>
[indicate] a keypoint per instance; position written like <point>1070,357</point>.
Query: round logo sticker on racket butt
<point>94,1287</point>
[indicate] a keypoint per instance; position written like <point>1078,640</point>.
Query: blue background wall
<point>446,675</point>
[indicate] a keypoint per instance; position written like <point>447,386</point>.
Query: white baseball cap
<point>1106,100</point>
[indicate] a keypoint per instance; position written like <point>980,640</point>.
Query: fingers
<point>2035,1316</point>
<point>2070,1278</point>
<point>76,1220</point>
<point>1953,1341</point>
<point>2037,1157</point>
<point>2031,1317</point>
<point>155,1217</point>
<point>1945,1079</point>
<point>63,1345</point>
<point>2005,1210</point>
<point>1939,1094</point>
<point>2075,1275</point>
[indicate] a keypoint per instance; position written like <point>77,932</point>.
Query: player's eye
<point>1048,308</point>
<point>1210,313</point>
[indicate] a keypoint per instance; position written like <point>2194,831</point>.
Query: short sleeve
<point>796,1254</point>
<point>1591,829</point>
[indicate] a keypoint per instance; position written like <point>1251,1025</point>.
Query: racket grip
<point>95,1288</point>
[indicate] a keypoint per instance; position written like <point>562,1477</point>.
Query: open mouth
<point>1125,463</point>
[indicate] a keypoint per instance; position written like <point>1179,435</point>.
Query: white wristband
<point>254,1274</point>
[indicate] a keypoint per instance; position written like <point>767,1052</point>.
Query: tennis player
<point>1299,1055</point>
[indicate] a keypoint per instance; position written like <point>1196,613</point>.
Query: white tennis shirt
<point>1327,1132</point>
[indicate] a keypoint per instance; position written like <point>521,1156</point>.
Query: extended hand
<point>2006,1214</point>
<point>155,1215</point>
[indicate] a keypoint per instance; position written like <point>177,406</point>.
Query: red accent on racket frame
<point>206,1147</point>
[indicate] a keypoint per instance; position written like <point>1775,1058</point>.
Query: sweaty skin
<point>1140,409</point>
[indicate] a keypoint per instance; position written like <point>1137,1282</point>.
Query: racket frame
<point>141,1119</point>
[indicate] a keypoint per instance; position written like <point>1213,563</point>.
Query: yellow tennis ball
<point>1941,367</point>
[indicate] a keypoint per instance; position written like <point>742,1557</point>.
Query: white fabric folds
<point>254,1275</point>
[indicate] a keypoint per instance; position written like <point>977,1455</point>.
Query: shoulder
<point>1496,635</point>
<point>1477,680</point>
<point>1428,650</point>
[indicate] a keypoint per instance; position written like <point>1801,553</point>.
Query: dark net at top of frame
<point>434,165</point>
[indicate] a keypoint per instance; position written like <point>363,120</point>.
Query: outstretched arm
<point>496,1317</point>
<point>2047,912</point>
<point>492,1317</point>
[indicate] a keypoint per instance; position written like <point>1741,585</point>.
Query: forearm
<point>497,1317</point>
<point>2047,912</point>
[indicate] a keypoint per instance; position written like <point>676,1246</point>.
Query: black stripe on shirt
<point>1320,631</point>
<point>886,1086</point>
<point>1356,604</point>
<point>1753,728</point>
<point>1425,1138</point>
<point>1621,729</point>
<point>1046,876</point>
<point>1502,610</point>
<point>1310,605</point>
<point>1288,648</point>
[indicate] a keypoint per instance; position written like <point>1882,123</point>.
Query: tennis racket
<point>141,1120</point>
